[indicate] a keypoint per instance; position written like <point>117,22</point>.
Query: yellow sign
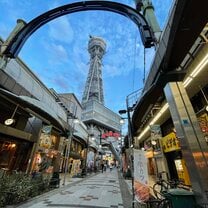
<point>182,171</point>
<point>170,143</point>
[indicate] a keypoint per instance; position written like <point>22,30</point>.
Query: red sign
<point>110,134</point>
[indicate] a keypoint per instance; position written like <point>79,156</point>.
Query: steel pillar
<point>193,146</point>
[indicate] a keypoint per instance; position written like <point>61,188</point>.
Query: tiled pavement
<point>102,190</point>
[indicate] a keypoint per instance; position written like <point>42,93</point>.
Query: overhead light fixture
<point>122,121</point>
<point>196,71</point>
<point>162,110</point>
<point>76,120</point>
<point>187,81</point>
<point>158,115</point>
<point>206,108</point>
<point>11,120</point>
<point>200,66</point>
<point>153,142</point>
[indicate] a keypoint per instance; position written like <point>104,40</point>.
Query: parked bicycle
<point>161,188</point>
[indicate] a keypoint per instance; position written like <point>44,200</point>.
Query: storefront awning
<point>93,147</point>
<point>79,138</point>
<point>35,107</point>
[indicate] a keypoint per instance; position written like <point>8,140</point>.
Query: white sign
<point>141,188</point>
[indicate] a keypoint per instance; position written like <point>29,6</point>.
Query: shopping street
<point>98,190</point>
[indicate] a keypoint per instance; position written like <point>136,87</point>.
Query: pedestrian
<point>102,166</point>
<point>111,166</point>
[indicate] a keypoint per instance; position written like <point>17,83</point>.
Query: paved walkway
<point>102,190</point>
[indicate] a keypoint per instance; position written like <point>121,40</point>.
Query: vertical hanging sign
<point>45,137</point>
<point>155,132</point>
<point>141,189</point>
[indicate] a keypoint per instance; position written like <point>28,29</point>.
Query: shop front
<point>176,164</point>
<point>47,154</point>
<point>14,153</point>
<point>91,159</point>
<point>203,123</point>
<point>75,157</point>
<point>15,143</point>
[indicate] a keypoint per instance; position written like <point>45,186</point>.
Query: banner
<point>45,137</point>
<point>141,189</point>
<point>170,143</point>
<point>155,132</point>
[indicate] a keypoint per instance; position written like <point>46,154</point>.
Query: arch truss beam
<point>17,41</point>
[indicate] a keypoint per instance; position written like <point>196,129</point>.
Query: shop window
<point>197,102</point>
<point>14,154</point>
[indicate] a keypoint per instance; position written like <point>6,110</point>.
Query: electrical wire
<point>144,72</point>
<point>134,64</point>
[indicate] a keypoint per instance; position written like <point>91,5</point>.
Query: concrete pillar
<point>193,146</point>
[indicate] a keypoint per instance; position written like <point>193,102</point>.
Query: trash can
<point>180,198</point>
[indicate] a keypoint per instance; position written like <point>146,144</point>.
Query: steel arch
<point>14,46</point>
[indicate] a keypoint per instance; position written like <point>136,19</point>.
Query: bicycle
<point>161,190</point>
<point>161,185</point>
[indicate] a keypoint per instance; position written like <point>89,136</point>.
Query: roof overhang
<point>184,26</point>
<point>36,108</point>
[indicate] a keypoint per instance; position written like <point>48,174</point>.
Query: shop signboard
<point>141,189</point>
<point>203,123</point>
<point>155,132</point>
<point>170,143</point>
<point>45,137</point>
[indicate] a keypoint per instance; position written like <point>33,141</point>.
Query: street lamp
<point>74,120</point>
<point>68,145</point>
<point>134,95</point>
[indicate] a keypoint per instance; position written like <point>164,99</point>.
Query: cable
<point>144,72</point>
<point>134,66</point>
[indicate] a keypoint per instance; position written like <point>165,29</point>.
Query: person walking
<point>102,166</point>
<point>111,166</point>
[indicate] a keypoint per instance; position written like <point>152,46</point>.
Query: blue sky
<point>57,52</point>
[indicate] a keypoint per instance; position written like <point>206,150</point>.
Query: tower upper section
<point>94,84</point>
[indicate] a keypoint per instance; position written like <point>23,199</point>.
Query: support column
<point>193,146</point>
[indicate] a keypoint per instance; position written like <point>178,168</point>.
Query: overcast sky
<point>57,52</point>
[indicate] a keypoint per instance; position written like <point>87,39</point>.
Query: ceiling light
<point>187,81</point>
<point>195,72</point>
<point>200,66</point>
<point>9,121</point>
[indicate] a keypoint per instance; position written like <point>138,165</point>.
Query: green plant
<point>17,188</point>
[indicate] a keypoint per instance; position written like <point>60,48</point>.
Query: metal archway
<point>14,45</point>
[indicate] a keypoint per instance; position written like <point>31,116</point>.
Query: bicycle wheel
<point>165,203</point>
<point>156,190</point>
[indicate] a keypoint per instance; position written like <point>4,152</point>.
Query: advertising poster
<point>45,137</point>
<point>155,132</point>
<point>141,189</point>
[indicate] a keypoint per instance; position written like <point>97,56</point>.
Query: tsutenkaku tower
<point>98,118</point>
<point>94,84</point>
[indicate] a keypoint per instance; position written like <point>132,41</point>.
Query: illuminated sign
<point>203,122</point>
<point>170,143</point>
<point>110,134</point>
